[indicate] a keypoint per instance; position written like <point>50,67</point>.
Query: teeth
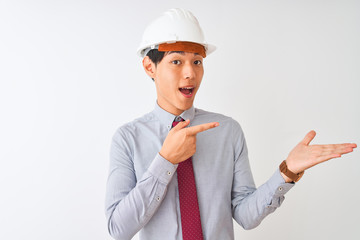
<point>188,88</point>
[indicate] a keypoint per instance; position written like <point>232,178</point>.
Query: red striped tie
<point>189,206</point>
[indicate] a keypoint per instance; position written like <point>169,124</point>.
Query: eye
<point>198,62</point>
<point>177,62</point>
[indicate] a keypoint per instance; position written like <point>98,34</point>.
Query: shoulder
<point>133,127</point>
<point>229,131</point>
<point>207,116</point>
<point>226,123</point>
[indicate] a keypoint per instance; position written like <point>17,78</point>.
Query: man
<point>183,173</point>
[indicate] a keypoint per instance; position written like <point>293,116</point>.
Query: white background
<point>70,76</point>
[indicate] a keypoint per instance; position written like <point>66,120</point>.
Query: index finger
<point>202,127</point>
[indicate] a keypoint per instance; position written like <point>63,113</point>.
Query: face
<point>177,78</point>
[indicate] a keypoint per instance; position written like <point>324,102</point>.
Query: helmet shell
<point>172,26</point>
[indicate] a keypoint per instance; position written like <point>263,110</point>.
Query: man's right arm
<point>130,204</point>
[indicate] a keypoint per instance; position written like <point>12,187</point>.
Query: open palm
<point>305,156</point>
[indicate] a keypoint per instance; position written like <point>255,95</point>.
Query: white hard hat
<point>174,25</point>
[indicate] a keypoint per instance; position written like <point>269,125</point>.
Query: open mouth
<point>187,91</point>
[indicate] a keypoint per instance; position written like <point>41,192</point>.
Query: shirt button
<point>157,198</point>
<point>280,189</point>
<point>168,173</point>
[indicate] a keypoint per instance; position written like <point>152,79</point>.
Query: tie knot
<point>177,120</point>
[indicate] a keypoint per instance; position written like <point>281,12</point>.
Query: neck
<point>173,111</point>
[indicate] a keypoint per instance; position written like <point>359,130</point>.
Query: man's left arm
<point>250,205</point>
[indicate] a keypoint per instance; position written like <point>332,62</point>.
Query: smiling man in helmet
<point>183,173</point>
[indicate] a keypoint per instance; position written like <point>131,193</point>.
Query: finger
<point>181,125</point>
<point>337,151</point>
<point>326,158</point>
<point>309,137</point>
<point>335,148</point>
<point>339,145</point>
<point>202,127</point>
<point>352,145</point>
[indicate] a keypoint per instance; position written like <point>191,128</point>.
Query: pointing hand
<point>180,143</point>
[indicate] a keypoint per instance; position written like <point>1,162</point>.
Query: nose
<point>189,71</point>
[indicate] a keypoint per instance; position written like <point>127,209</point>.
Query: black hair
<point>155,56</point>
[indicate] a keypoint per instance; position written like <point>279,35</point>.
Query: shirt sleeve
<point>250,205</point>
<point>129,203</point>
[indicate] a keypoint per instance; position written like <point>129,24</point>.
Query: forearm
<point>250,210</point>
<point>128,212</point>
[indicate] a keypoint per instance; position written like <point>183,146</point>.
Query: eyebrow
<point>179,52</point>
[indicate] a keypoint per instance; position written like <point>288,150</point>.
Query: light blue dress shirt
<point>142,189</point>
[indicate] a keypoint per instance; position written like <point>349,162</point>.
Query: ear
<point>149,67</point>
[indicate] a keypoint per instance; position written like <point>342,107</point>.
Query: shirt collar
<point>167,118</point>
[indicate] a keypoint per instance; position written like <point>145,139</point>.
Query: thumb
<point>181,125</point>
<point>309,137</point>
